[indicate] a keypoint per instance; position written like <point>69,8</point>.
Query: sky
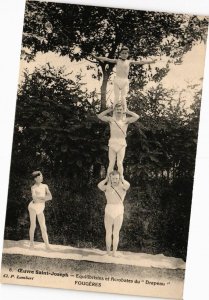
<point>191,69</point>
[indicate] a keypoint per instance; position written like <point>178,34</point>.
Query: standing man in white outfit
<point>118,128</point>
<point>121,81</point>
<point>115,191</point>
<point>40,194</point>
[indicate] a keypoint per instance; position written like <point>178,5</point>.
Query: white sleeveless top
<point>39,190</point>
<point>115,195</point>
<point>122,68</point>
<point>118,129</point>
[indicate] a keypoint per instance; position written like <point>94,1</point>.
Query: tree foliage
<point>56,131</point>
<point>77,31</point>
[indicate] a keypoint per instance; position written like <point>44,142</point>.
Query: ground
<point>134,273</point>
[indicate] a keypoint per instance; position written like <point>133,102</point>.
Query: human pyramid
<point>114,185</point>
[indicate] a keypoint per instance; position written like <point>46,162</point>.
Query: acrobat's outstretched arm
<point>134,117</point>
<point>103,115</point>
<point>102,58</point>
<point>141,62</point>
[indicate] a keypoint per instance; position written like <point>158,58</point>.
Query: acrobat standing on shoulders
<point>115,191</point>
<point>121,81</point>
<point>40,194</point>
<point>118,129</point>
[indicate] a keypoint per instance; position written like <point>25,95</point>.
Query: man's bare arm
<point>103,115</point>
<point>48,196</point>
<point>125,184</point>
<point>143,62</point>
<point>102,58</point>
<point>102,185</point>
<point>134,117</point>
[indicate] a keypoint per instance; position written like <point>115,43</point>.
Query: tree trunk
<point>106,75</point>
<point>103,92</point>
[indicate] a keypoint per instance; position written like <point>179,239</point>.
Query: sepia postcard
<point>104,148</point>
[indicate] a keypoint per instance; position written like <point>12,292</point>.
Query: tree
<point>56,127</point>
<point>57,132</point>
<point>164,140</point>
<point>76,31</point>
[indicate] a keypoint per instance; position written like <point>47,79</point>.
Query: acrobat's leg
<point>108,228</point>
<point>32,215</point>
<point>42,223</point>
<point>116,230</point>
<point>117,92</point>
<point>112,158</point>
<point>124,93</point>
<point>120,158</point>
